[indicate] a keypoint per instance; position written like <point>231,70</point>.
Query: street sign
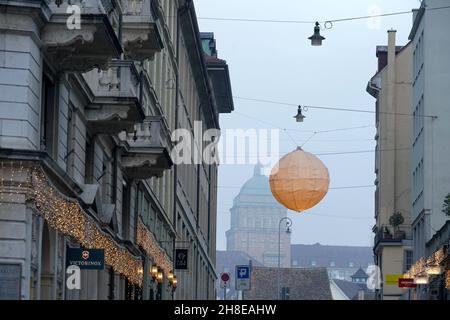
<point>86,259</point>
<point>242,278</point>
<point>224,279</point>
<point>406,283</point>
<point>181,259</point>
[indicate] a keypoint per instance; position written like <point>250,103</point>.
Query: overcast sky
<point>274,61</point>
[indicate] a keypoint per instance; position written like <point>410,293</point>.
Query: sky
<point>275,61</point>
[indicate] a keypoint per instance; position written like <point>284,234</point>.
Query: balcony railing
<point>116,105</point>
<point>82,37</point>
<point>389,234</point>
<point>147,151</point>
<point>140,34</point>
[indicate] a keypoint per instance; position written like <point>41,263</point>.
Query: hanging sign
<point>87,259</point>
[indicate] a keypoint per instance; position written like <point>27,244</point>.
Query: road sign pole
<point>225,292</point>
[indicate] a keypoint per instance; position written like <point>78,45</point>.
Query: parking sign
<point>243,277</point>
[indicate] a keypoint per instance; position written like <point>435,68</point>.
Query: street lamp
<point>316,38</point>
<point>299,117</point>
<point>288,230</point>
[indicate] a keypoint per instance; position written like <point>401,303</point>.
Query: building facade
<point>430,134</point>
<point>90,94</point>
<point>391,86</point>
<point>341,262</point>
<point>255,221</point>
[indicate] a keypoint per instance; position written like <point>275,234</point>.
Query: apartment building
<point>88,104</point>
<point>391,87</point>
<point>430,173</point>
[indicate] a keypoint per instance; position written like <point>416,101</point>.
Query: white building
<point>431,130</point>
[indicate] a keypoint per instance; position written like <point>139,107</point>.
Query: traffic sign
<point>224,279</point>
<point>243,278</point>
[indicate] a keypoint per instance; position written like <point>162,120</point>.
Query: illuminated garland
<point>67,217</point>
<point>447,279</point>
<point>436,259</point>
<point>147,241</point>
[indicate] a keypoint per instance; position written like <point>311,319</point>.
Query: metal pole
<point>225,292</point>
<point>288,224</point>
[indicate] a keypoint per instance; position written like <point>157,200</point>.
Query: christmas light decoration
<point>66,216</point>
<point>147,241</point>
<point>447,279</point>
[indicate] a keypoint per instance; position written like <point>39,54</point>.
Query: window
<point>49,114</point>
<point>69,154</point>
<point>332,264</point>
<point>408,260</point>
<point>294,262</point>
<point>313,263</point>
<point>285,293</point>
<point>126,217</point>
<point>351,264</point>
<point>89,160</point>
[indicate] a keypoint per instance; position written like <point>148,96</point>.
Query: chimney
<point>391,45</point>
<point>391,69</point>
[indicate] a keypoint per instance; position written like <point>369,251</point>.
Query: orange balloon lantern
<point>299,180</point>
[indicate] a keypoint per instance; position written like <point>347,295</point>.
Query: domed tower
<point>255,218</point>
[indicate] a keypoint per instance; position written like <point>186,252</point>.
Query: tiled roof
<point>303,284</point>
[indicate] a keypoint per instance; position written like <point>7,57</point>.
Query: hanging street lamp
<point>299,117</point>
<point>316,38</point>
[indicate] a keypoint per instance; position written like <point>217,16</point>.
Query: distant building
<point>391,86</point>
<point>227,262</point>
<point>341,261</point>
<point>296,284</point>
<point>255,217</point>
<point>352,290</point>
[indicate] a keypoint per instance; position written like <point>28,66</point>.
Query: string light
<point>147,241</point>
<point>447,279</point>
<point>66,216</point>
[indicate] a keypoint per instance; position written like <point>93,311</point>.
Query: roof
<point>303,284</point>
<point>360,274</point>
<point>351,289</point>
<point>324,256</point>
<point>218,72</point>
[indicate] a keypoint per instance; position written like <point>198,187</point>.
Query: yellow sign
<point>392,279</point>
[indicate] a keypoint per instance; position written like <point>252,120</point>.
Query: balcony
<point>115,105</point>
<point>386,234</point>
<point>140,35</point>
<point>147,151</point>
<point>79,45</point>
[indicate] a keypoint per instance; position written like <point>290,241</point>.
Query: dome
<point>257,185</point>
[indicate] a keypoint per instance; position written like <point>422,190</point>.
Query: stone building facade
<point>255,218</point>
<point>86,117</point>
